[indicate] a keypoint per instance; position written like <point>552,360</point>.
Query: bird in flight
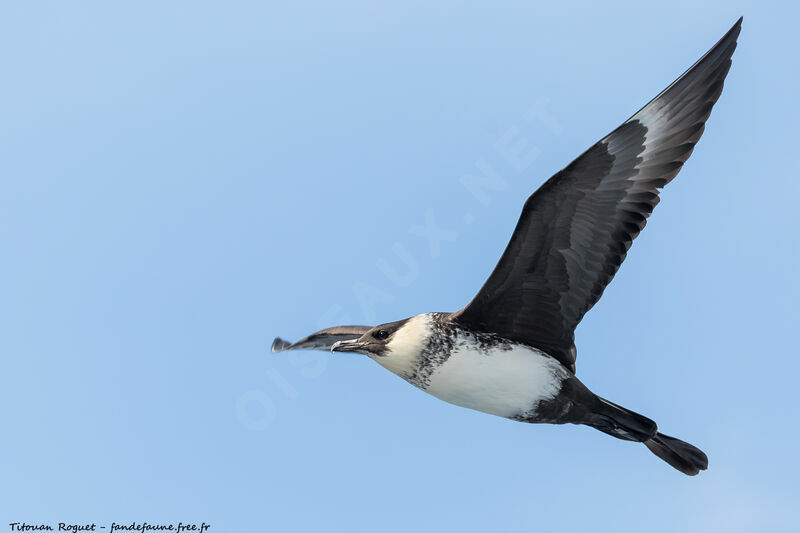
<point>510,352</point>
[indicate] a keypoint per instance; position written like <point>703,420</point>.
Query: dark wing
<point>321,340</point>
<point>575,230</point>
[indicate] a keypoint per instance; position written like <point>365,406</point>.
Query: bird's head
<point>395,346</point>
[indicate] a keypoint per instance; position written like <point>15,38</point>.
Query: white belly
<point>501,382</point>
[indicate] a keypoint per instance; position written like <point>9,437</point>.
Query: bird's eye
<point>381,334</point>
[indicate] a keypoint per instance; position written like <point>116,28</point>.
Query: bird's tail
<point>624,424</point>
<point>678,454</point>
<point>619,422</point>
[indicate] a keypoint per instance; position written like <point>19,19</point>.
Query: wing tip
<point>732,35</point>
<point>737,26</point>
<point>279,345</point>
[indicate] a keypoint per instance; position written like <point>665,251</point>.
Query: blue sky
<point>183,181</point>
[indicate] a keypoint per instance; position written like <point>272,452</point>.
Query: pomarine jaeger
<point>510,352</point>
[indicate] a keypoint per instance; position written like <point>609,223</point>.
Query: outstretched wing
<point>321,340</point>
<point>575,231</point>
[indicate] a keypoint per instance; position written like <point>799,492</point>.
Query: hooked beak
<point>348,346</point>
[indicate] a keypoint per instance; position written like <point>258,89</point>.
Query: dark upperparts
<point>575,231</point>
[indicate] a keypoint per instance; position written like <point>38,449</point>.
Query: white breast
<point>500,382</point>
